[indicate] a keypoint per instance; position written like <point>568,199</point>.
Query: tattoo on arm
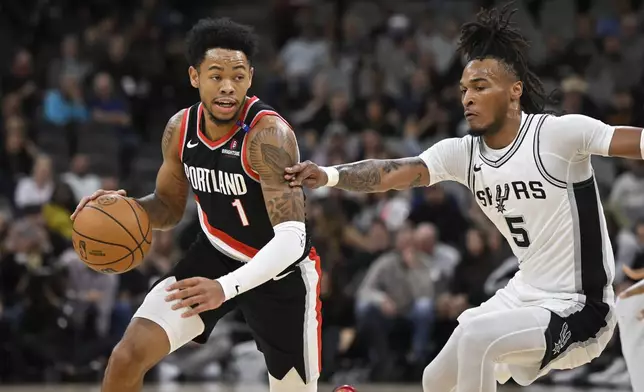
<point>166,205</point>
<point>376,175</point>
<point>271,150</point>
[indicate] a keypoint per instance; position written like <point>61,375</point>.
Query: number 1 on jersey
<point>242,214</point>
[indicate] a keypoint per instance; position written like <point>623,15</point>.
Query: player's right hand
<point>306,174</point>
<point>95,196</point>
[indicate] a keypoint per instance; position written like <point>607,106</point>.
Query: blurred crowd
<point>86,89</point>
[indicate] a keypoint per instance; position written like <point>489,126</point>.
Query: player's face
<point>486,94</point>
<point>223,79</point>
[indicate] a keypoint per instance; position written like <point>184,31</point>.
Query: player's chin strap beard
<point>232,120</point>
<point>217,121</point>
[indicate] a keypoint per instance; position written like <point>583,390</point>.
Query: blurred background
<point>88,85</point>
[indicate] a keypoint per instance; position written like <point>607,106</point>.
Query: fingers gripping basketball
<point>112,234</point>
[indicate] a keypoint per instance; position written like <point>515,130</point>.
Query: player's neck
<point>505,134</point>
<point>217,130</point>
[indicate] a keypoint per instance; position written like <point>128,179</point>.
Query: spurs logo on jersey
<point>515,189</point>
<point>229,197</point>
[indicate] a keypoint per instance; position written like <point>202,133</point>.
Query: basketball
<point>112,234</point>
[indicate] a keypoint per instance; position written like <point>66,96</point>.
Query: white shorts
<point>575,334</point>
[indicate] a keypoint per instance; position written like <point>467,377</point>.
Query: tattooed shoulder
<point>173,125</point>
<point>272,148</point>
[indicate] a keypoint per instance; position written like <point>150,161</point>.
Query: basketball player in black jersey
<point>254,253</point>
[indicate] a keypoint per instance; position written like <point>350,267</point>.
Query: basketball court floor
<point>172,387</point>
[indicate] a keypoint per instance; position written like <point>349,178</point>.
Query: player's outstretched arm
<point>166,205</point>
<point>627,142</point>
<point>272,147</point>
<point>372,175</point>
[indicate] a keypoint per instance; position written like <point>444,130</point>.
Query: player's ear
<point>250,77</point>
<point>516,90</point>
<point>194,76</point>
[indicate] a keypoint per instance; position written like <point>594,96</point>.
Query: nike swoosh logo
<point>280,277</point>
<point>190,145</point>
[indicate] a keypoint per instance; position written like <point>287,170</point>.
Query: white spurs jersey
<point>541,194</point>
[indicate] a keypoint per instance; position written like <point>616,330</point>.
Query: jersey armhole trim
<point>470,172</point>
<point>182,133</point>
<point>537,157</point>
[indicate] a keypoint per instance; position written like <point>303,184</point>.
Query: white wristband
<point>333,175</point>
<point>642,144</point>
<point>230,285</point>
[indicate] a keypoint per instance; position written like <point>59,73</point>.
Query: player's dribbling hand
<point>94,196</point>
<point>198,294</point>
<point>306,174</point>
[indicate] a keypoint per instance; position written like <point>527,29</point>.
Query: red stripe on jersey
<point>263,113</point>
<point>224,139</point>
<point>240,247</point>
<point>313,255</point>
<point>182,133</point>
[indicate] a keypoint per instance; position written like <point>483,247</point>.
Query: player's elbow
<point>291,236</point>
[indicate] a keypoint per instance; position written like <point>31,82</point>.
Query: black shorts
<point>578,329</point>
<point>284,315</point>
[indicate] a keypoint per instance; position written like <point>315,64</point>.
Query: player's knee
<point>128,361</point>
<point>477,336</point>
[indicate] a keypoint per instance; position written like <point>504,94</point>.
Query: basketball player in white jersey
<point>531,174</point>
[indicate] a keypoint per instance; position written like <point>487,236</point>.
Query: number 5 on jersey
<point>519,234</point>
<point>242,213</point>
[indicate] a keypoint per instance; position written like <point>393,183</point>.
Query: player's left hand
<point>198,294</point>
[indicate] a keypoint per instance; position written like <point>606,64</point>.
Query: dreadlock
<point>493,35</point>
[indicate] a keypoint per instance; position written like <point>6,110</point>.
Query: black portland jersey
<point>229,196</point>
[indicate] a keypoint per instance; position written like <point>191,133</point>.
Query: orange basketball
<point>112,234</point>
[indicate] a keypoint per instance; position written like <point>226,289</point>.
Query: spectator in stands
<point>11,106</point>
<point>398,286</point>
<point>444,258</point>
<point>65,105</point>
<point>37,189</point>
<point>107,107</point>
<point>377,120</point>
<point>467,288</point>
<point>79,178</point>
<point>17,155</point>
<point>305,54</point>
<point>630,245</point>
<point>110,109</point>
<point>91,293</point>
<point>57,211</point>
<point>627,196</point>
<point>22,81</point>
<point>69,63</point>
<point>441,209</point>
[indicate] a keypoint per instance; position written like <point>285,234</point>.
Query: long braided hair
<point>493,35</point>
